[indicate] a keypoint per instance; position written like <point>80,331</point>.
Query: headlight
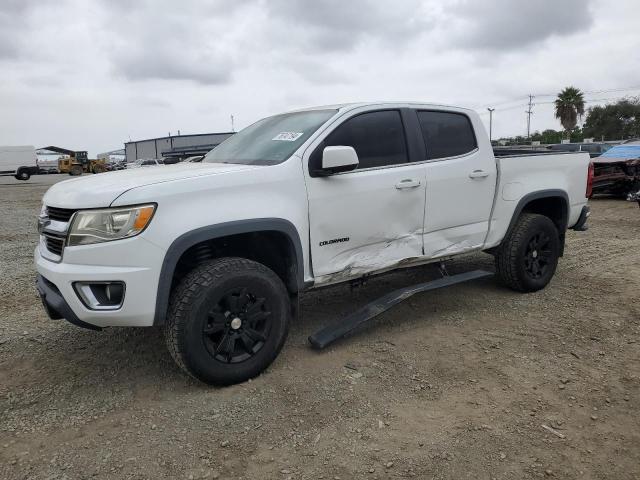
<point>96,226</point>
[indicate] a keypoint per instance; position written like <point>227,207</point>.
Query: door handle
<point>478,174</point>
<point>407,183</point>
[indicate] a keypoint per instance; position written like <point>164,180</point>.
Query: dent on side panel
<point>455,240</point>
<point>455,248</point>
<point>372,257</point>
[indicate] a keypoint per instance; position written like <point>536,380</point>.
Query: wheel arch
<point>181,245</point>
<point>552,203</point>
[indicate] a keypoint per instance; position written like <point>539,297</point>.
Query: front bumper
<point>56,306</point>
<point>99,263</point>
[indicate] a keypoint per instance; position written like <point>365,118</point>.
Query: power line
<point>586,92</point>
<point>501,103</point>
<point>550,102</point>
<point>590,92</point>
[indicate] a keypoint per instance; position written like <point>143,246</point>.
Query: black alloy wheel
<point>538,255</point>
<point>237,326</point>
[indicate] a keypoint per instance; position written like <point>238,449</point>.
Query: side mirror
<point>338,159</point>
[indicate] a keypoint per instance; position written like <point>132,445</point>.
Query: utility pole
<point>529,112</point>
<point>232,126</point>
<point>491,110</point>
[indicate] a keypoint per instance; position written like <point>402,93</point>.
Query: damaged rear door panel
<point>461,181</point>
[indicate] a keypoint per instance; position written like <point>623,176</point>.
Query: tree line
<point>614,121</point>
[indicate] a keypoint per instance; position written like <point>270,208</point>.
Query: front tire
<point>75,170</point>
<point>228,320</point>
<point>527,259</point>
<point>23,175</point>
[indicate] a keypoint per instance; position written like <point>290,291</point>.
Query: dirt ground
<point>456,383</point>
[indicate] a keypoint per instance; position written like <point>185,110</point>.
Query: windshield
<point>623,151</point>
<point>271,140</point>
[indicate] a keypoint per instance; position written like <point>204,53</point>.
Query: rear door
<point>461,180</point>
<point>370,218</point>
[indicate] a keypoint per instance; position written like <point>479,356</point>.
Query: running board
<point>330,334</point>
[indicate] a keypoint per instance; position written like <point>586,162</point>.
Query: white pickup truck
<point>217,252</point>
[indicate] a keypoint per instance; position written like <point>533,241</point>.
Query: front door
<point>370,218</point>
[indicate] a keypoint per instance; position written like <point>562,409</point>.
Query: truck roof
<point>351,106</point>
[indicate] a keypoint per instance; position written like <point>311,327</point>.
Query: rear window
<point>590,148</point>
<point>565,147</point>
<point>446,134</point>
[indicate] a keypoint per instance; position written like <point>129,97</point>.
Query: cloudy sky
<point>92,74</point>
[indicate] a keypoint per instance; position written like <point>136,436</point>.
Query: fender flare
<point>211,232</point>
<point>529,197</point>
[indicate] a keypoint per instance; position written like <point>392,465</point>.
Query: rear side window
<point>446,134</point>
<point>377,137</point>
<point>593,148</point>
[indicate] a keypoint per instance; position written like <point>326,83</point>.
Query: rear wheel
<point>227,321</point>
<point>527,259</point>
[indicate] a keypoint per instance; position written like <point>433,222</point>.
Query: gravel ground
<point>456,383</point>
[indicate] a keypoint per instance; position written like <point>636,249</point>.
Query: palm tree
<point>569,106</point>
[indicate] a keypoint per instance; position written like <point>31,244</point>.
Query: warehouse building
<point>176,147</point>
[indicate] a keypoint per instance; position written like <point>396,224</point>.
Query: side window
<point>446,134</point>
<point>377,137</point>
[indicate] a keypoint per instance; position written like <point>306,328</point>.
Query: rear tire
<point>527,259</point>
<point>228,320</point>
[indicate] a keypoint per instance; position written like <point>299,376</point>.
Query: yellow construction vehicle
<point>76,162</point>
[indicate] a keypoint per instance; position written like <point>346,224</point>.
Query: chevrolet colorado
<point>217,252</point>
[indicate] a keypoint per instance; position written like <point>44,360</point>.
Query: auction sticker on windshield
<point>287,136</point>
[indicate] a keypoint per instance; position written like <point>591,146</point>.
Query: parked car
<point>617,171</point>
<point>116,165</point>
<point>150,162</point>
<point>217,252</point>
<point>593,149</point>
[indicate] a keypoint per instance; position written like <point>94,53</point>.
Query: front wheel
<point>227,320</point>
<point>23,175</point>
<point>527,259</point>
<point>75,170</point>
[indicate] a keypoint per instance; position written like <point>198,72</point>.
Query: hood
<point>100,190</point>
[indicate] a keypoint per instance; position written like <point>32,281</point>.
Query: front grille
<point>54,244</point>
<point>60,214</point>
